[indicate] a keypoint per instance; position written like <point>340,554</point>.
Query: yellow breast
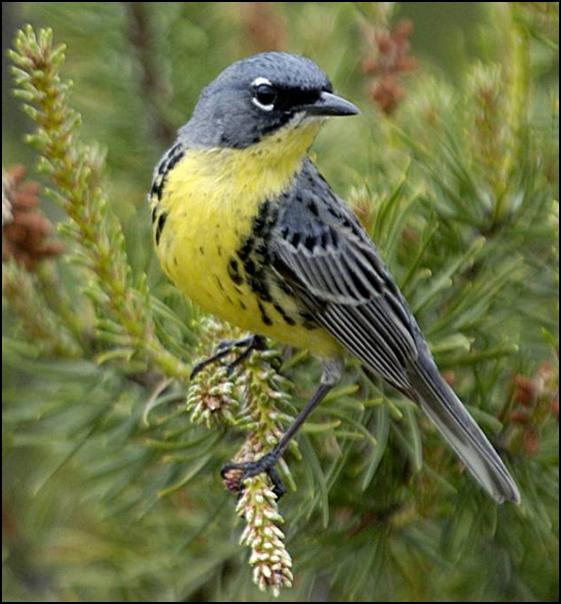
<point>210,199</point>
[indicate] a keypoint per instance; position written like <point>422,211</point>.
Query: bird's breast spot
<point>218,282</point>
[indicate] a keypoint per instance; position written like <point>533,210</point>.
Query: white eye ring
<point>255,84</point>
<point>264,107</point>
<point>259,81</point>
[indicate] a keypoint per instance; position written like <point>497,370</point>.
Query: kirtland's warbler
<point>247,228</point>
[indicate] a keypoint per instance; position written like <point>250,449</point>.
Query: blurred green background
<point>460,126</point>
<point>447,36</point>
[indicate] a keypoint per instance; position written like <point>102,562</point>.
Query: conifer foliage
<point>112,489</point>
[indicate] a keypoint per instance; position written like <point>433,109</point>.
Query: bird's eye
<point>264,94</point>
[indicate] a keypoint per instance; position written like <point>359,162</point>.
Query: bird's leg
<point>235,473</point>
<point>225,347</point>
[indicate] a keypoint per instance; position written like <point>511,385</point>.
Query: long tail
<point>457,426</point>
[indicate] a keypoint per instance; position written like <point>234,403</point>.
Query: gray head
<point>259,95</point>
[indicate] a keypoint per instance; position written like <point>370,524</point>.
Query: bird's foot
<point>225,347</point>
<point>234,473</point>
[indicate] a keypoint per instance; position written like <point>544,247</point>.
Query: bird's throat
<point>269,165</point>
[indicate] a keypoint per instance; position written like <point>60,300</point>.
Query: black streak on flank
<point>258,287</point>
<point>160,226</point>
<point>171,151</point>
<point>234,273</point>
<point>262,251</point>
<point>282,313</point>
<point>245,250</point>
<point>264,316</point>
<point>260,222</point>
<point>254,255</point>
<point>172,157</point>
<point>249,267</point>
<point>283,286</point>
<point>308,320</point>
<point>174,160</point>
<point>157,187</point>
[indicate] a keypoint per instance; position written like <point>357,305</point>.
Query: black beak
<point>331,104</point>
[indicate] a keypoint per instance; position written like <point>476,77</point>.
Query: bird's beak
<point>331,104</point>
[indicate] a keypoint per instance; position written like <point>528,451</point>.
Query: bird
<point>246,227</point>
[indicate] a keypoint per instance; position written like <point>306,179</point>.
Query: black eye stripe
<point>286,99</point>
<point>289,99</point>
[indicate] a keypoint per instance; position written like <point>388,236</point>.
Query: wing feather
<point>337,272</point>
<point>321,252</point>
<point>362,343</point>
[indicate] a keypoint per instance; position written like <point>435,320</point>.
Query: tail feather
<point>460,430</point>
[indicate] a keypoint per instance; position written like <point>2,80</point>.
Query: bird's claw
<point>225,347</point>
<point>234,474</point>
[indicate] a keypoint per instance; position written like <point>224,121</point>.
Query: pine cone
<point>25,228</point>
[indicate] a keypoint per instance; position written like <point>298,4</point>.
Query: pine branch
<point>136,476</point>
<point>41,326</point>
<point>75,171</point>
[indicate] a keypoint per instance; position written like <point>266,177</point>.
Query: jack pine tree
<point>112,454</point>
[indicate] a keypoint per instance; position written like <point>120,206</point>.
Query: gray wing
<point>321,251</point>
